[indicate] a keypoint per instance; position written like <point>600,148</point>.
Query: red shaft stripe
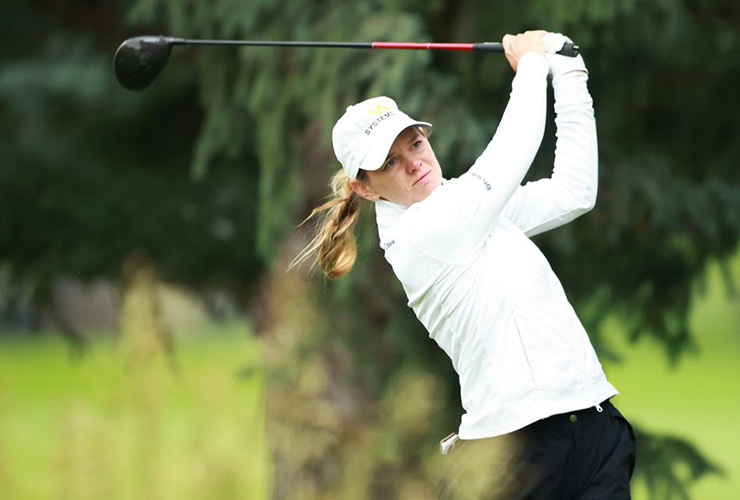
<point>423,46</point>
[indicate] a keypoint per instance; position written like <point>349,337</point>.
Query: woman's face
<point>409,174</point>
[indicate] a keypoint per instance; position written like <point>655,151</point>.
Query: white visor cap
<point>365,134</point>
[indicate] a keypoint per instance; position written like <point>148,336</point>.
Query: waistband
<point>554,423</point>
<point>571,419</point>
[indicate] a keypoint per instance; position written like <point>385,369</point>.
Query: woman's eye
<point>390,162</point>
<point>416,145</point>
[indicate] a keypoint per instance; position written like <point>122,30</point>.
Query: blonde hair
<point>334,240</point>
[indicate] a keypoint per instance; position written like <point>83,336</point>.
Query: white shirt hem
<point>548,411</point>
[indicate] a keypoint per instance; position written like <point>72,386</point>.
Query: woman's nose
<point>413,164</point>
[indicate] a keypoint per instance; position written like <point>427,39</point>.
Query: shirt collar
<point>387,214</point>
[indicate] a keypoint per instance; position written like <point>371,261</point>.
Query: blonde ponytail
<point>334,241</point>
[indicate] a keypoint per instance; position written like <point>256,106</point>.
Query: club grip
<point>569,49</point>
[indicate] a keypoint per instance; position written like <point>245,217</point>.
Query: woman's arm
<point>458,217</point>
<point>571,190</point>
<point>508,156</point>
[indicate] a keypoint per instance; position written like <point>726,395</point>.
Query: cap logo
<point>381,117</point>
<point>378,110</point>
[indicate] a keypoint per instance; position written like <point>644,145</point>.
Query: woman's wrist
<point>533,62</point>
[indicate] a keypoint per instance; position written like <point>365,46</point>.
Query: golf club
<point>139,60</point>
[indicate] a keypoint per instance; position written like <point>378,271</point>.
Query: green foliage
<point>93,174</point>
<point>669,192</point>
<point>669,465</point>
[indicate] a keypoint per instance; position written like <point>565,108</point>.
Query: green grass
<point>105,427</point>
<point>700,398</point>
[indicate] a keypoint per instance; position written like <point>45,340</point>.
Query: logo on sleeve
<point>483,180</point>
<point>387,244</point>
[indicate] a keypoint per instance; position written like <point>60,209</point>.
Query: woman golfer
<point>538,422</point>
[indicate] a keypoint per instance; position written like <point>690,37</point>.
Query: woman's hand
<point>516,46</point>
<point>561,65</point>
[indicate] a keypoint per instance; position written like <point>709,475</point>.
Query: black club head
<point>139,60</point>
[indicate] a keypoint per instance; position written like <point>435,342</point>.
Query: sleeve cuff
<point>532,68</point>
<point>533,62</point>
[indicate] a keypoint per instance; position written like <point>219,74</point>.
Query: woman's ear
<point>363,190</point>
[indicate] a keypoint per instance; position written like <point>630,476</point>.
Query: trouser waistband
<point>577,418</point>
<point>558,422</point>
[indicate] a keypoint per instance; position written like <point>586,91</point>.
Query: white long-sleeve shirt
<point>482,289</point>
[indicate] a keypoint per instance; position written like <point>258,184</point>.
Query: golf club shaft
<point>139,60</point>
<point>568,49</point>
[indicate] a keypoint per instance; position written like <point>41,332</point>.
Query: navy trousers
<point>581,455</point>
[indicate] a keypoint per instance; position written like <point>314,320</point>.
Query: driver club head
<point>139,60</point>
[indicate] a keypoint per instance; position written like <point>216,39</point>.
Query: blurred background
<point>152,343</point>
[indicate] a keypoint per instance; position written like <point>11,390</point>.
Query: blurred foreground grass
<point>100,427</point>
<point>194,426</point>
